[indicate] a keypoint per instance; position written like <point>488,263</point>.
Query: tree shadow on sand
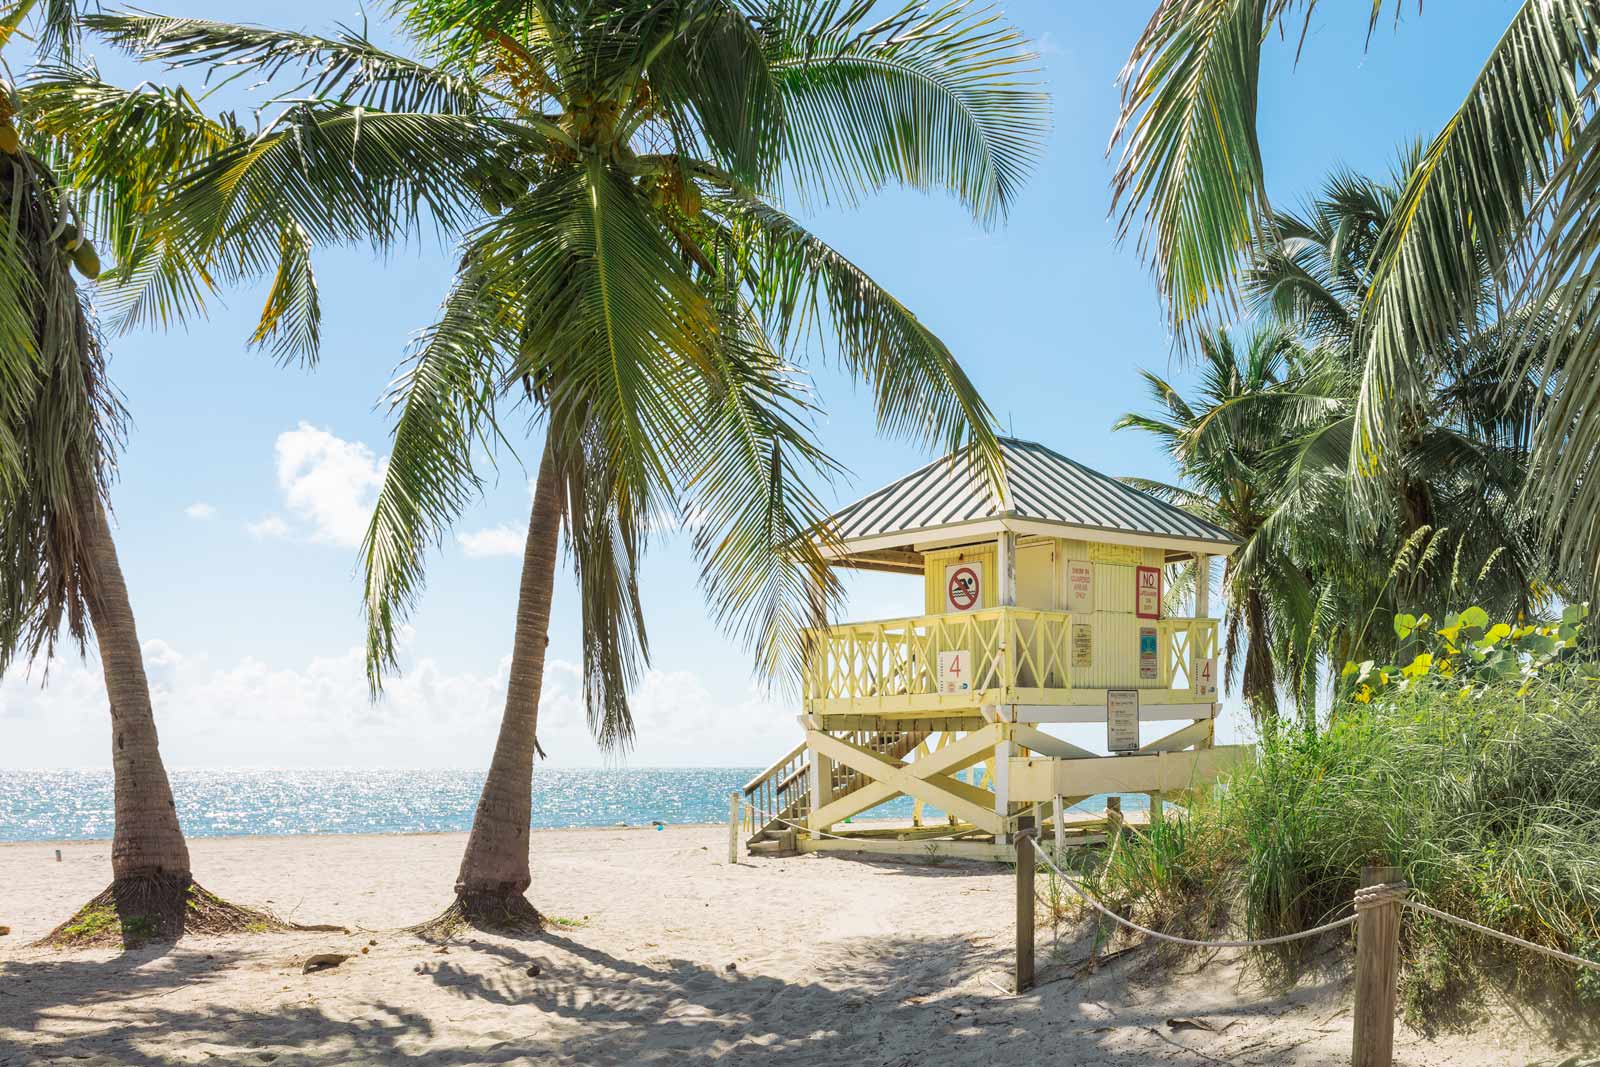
<point>885,999</point>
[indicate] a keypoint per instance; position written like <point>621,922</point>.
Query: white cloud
<point>271,526</point>
<point>200,510</point>
<point>502,540</point>
<point>252,713</point>
<point>328,482</point>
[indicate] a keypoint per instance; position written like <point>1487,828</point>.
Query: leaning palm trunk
<point>146,843</point>
<point>152,894</point>
<point>495,872</point>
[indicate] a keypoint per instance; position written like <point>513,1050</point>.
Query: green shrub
<point>1487,795</point>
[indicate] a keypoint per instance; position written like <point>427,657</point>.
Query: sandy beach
<point>662,953</point>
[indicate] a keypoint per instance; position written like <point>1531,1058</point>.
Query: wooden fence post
<point>733,827</point>
<point>1113,818</point>
<point>1027,864</point>
<point>1377,968</point>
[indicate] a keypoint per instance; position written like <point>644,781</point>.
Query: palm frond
<point>931,96</point>
<point>446,403</point>
<point>800,284</point>
<point>347,68</point>
<point>1469,196</point>
<point>1190,172</point>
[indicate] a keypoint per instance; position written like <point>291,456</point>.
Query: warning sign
<point>955,671</point>
<point>963,586</point>
<point>1080,586</point>
<point>1082,644</point>
<point>1205,678</point>
<point>1148,590</point>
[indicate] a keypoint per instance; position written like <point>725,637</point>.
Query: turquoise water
<point>65,805</point>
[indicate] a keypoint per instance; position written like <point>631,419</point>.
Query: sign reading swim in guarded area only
<point>955,671</point>
<point>963,586</point>
<point>1080,586</point>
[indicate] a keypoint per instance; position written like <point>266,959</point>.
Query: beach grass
<point>1488,803</point>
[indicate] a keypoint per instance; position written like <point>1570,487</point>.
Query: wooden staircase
<point>779,798</point>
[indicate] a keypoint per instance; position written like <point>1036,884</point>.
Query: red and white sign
<point>963,586</point>
<point>1147,588</point>
<point>955,671</point>
<point>1205,678</point>
<point>1080,586</point>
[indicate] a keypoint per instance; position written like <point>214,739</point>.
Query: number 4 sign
<point>1205,678</point>
<point>955,671</point>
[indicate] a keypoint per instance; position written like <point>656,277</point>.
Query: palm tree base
<point>135,910</point>
<point>489,912</point>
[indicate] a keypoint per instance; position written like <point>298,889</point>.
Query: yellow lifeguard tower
<point>1042,605</point>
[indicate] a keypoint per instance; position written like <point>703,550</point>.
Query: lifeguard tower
<point>1042,604</point>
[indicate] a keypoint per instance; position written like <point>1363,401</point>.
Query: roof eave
<point>932,537</point>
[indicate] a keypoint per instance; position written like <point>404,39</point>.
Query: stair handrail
<point>777,765</point>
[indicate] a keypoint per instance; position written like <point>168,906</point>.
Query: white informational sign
<point>963,586</point>
<point>1149,668</point>
<point>1082,644</point>
<point>1080,586</point>
<point>1122,720</point>
<point>1205,678</point>
<point>955,671</point>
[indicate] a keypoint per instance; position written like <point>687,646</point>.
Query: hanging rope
<point>1553,953</point>
<point>1260,942</point>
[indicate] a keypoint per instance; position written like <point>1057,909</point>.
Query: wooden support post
<point>1377,968</point>
<point>1113,817</point>
<point>1027,864</point>
<point>1158,808</point>
<point>1002,788</point>
<point>1060,808</point>
<point>734,800</point>
<point>1007,566</point>
<point>1202,585</point>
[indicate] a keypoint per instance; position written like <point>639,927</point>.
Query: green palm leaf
<point>934,96</point>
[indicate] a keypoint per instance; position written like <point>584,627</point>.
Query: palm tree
<point>1262,451</point>
<point>1226,441</point>
<point>60,428</point>
<point>1456,469</point>
<point>1508,185</point>
<point>626,277</point>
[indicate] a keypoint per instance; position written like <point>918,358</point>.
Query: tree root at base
<point>493,913</point>
<point>136,910</point>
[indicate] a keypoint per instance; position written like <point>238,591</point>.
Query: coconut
<point>87,260</point>
<point>10,143</point>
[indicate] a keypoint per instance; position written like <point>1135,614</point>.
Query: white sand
<point>838,961</point>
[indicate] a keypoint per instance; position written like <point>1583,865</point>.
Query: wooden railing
<point>782,791</point>
<point>1014,656</point>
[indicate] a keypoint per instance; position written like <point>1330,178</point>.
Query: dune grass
<point>1490,804</point>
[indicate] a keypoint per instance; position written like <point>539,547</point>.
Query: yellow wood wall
<point>1116,626</point>
<point>934,563</point>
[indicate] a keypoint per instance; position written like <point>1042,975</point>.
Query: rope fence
<point>1261,942</point>
<point>1366,897</point>
<point>1376,910</point>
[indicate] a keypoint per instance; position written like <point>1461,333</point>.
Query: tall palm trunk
<point>494,871</point>
<point>147,842</point>
<point>1259,687</point>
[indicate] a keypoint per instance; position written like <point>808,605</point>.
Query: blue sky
<point>244,484</point>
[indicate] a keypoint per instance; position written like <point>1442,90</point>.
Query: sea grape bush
<point>1465,652</point>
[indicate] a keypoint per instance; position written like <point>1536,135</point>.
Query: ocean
<point>68,805</point>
